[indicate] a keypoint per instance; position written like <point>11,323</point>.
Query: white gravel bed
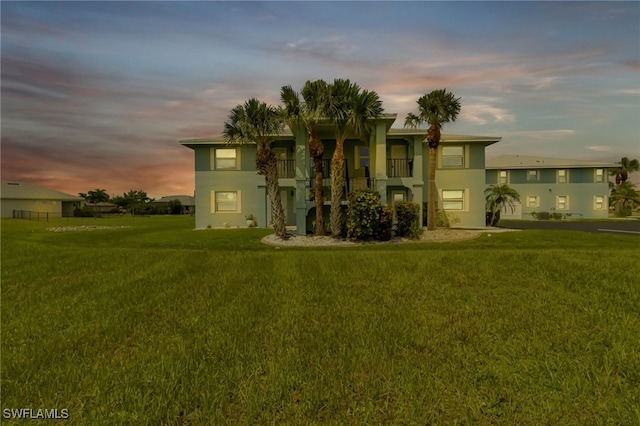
<point>438,236</point>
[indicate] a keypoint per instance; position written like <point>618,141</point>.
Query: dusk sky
<point>97,94</point>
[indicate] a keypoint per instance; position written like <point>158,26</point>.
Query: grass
<point>159,324</point>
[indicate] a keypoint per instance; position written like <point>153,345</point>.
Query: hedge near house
<point>408,220</point>
<point>363,215</point>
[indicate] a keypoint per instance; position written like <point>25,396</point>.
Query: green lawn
<point>158,324</point>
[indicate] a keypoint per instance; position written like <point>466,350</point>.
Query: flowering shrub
<point>363,215</point>
<point>407,217</point>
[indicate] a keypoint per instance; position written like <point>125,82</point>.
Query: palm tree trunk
<point>337,189</point>
<point>433,191</point>
<point>316,149</point>
<point>267,164</point>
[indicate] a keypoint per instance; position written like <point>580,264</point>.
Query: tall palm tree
<point>435,109</point>
<point>498,197</point>
<point>255,121</point>
<point>350,111</point>
<point>306,113</point>
<point>625,167</point>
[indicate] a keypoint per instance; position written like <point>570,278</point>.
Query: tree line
<point>133,202</point>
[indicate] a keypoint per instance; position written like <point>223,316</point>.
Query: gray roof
<point>185,200</point>
<point>28,191</point>
<point>530,162</point>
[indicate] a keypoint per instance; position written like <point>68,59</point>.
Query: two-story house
<point>548,186</point>
<point>393,162</point>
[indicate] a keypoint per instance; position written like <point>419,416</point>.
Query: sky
<point>96,95</point>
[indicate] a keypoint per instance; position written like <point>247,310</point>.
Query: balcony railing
<point>286,168</point>
<point>399,167</point>
<point>349,185</point>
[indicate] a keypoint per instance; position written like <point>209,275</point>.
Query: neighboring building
<point>572,188</point>
<point>25,197</point>
<point>394,163</point>
<point>188,202</point>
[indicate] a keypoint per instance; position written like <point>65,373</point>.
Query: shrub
<point>495,221</point>
<point>385,224</point>
<point>85,212</point>
<point>363,215</point>
<point>408,220</point>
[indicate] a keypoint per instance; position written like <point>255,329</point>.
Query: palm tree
<point>435,109</point>
<point>350,111</point>
<point>627,196</point>
<point>255,121</point>
<point>622,172</point>
<point>498,197</point>
<point>306,113</point>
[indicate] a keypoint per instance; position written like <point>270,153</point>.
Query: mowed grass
<point>160,324</point>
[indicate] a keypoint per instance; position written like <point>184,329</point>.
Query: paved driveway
<point>629,227</point>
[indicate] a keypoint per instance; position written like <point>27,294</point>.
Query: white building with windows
<point>552,187</point>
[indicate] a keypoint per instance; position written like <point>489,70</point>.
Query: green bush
<point>85,212</point>
<point>363,215</point>
<point>407,217</point>
<point>385,224</point>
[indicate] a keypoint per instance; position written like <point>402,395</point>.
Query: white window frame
<point>451,199</point>
<point>214,202</point>
<point>531,178</point>
<point>535,199</point>
<point>599,177</point>
<point>566,202</point>
<point>603,203</point>
<point>562,175</point>
<point>461,156</point>
<point>503,180</point>
<point>215,156</point>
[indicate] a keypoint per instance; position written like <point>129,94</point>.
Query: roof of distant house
<point>28,191</point>
<point>530,162</point>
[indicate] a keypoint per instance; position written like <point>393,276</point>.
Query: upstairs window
<point>562,176</point>
<point>362,156</point>
<point>226,159</point>
<point>502,177</point>
<point>452,156</point>
<point>532,175</point>
<point>599,175</point>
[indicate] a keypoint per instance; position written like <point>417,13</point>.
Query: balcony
<point>350,185</point>
<point>286,169</point>
<point>399,167</point>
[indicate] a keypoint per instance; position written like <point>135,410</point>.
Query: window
<point>502,177</point>
<point>533,201</point>
<point>562,176</point>
<point>453,199</point>
<point>226,159</point>
<point>599,175</point>
<point>452,156</point>
<point>362,156</point>
<point>599,202</point>
<point>562,202</point>
<point>532,175</point>
<point>397,196</point>
<point>226,202</point>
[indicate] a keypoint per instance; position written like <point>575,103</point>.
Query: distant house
<point>188,202</point>
<point>33,199</point>
<point>552,187</point>
<point>393,162</point>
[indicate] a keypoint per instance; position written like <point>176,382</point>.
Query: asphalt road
<point>629,227</point>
